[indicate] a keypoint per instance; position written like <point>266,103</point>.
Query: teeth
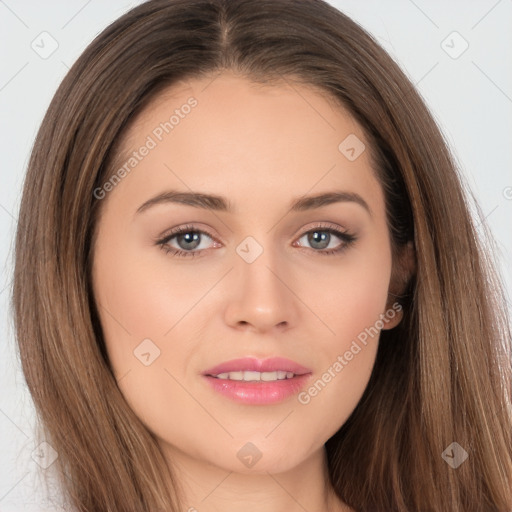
<point>252,376</point>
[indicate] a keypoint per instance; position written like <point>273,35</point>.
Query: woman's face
<point>257,277</point>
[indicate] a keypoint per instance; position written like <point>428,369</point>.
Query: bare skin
<point>260,148</point>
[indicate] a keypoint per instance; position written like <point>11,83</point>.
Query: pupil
<point>323,237</point>
<point>189,239</point>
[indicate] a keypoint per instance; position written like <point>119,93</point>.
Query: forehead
<point>228,103</point>
<point>225,133</point>
<point>227,87</point>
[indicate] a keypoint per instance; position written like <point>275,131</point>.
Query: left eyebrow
<point>222,204</point>
<point>317,201</point>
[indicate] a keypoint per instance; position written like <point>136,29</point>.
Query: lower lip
<point>258,392</point>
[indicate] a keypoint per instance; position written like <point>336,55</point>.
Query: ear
<point>404,267</point>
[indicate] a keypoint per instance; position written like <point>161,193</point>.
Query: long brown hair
<point>442,376</point>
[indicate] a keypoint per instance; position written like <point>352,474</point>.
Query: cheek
<point>147,304</point>
<point>348,294</point>
<point>143,296</point>
<point>351,302</point>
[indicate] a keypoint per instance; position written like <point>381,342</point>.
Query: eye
<point>188,240</point>
<point>321,237</point>
<point>187,237</point>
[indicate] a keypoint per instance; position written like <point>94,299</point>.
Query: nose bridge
<point>263,298</point>
<point>258,264</point>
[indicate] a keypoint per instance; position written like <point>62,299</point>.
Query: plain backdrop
<point>457,54</point>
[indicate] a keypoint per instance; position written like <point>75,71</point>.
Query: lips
<point>251,364</point>
<point>254,381</point>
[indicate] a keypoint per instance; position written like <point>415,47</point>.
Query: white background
<point>470,97</point>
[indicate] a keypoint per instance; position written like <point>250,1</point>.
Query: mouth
<point>251,376</point>
<point>254,381</point>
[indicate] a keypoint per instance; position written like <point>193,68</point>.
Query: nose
<point>261,297</point>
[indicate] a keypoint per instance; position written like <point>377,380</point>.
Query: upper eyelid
<point>321,225</point>
<point>184,229</point>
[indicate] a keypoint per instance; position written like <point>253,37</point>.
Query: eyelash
<point>347,237</point>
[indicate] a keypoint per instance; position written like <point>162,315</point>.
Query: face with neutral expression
<point>243,221</point>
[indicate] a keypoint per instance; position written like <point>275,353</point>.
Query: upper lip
<point>258,365</point>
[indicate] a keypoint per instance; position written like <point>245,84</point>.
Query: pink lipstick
<point>255,381</point>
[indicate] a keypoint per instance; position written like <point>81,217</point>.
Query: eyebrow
<point>222,204</point>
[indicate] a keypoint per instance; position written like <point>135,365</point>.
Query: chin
<point>261,467</point>
<point>247,458</point>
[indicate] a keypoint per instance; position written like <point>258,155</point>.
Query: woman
<point>260,369</point>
